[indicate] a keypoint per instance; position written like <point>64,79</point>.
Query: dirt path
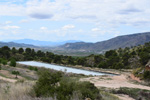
<point>134,78</point>
<point>7,79</point>
<point>114,82</point>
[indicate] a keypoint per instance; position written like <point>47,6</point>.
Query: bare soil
<point>9,75</point>
<point>114,82</point>
<point>7,79</point>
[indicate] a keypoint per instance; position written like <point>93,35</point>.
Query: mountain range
<point>78,46</point>
<point>12,44</point>
<point>43,43</point>
<point>114,43</point>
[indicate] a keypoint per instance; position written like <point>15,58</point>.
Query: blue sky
<point>60,20</point>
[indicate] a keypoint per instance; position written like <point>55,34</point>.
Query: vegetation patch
<point>108,96</point>
<point>135,93</point>
<point>55,84</point>
<point>142,74</point>
<point>33,68</point>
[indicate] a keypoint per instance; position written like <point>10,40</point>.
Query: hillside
<point>12,44</point>
<point>114,43</point>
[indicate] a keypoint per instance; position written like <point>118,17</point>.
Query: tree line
<point>115,59</point>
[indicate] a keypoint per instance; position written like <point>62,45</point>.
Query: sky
<point>61,20</point>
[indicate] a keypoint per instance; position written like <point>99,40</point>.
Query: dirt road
<point>114,82</point>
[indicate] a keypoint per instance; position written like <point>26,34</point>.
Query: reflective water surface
<point>62,68</point>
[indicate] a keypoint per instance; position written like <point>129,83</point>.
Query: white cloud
<point>1,33</point>
<point>9,9</point>
<point>108,11</point>
<point>24,21</point>
<point>66,27</point>
<point>40,9</point>
<point>43,28</point>
<point>95,29</point>
<point>102,14</point>
<point>10,27</point>
<point>8,22</point>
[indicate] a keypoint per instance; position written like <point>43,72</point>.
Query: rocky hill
<point>114,43</point>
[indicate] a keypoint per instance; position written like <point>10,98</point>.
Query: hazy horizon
<point>65,40</point>
<point>36,40</point>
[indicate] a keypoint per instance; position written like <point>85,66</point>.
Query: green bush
<point>47,83</point>
<point>52,84</point>
<point>88,90</point>
<point>1,60</point>
<point>137,71</point>
<point>83,89</point>
<point>15,73</point>
<point>4,62</point>
<point>118,65</point>
<point>30,68</point>
<point>144,57</point>
<point>146,75</point>
<point>138,94</point>
<point>103,64</point>
<point>13,62</point>
<point>33,68</point>
<point>65,90</point>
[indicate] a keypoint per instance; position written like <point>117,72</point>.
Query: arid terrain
<point>114,82</point>
<point>110,82</point>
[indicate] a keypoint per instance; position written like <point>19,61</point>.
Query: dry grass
<point>22,91</point>
<point>109,96</point>
<point>24,72</point>
<point>8,74</point>
<point>15,91</point>
<point>18,91</point>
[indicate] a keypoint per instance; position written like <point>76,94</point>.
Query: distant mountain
<point>114,43</point>
<point>12,44</point>
<point>43,43</point>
